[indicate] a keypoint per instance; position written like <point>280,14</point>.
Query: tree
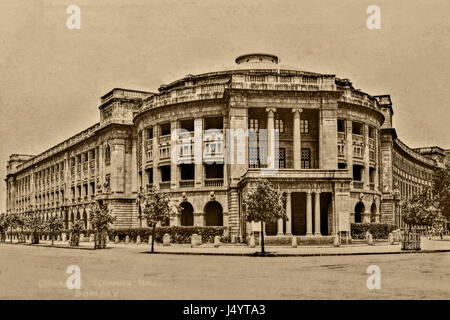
<point>35,224</point>
<point>158,207</point>
<point>100,218</point>
<point>54,225</point>
<point>3,226</point>
<point>264,204</point>
<point>441,191</point>
<point>12,220</point>
<point>20,223</point>
<point>418,210</point>
<point>75,232</point>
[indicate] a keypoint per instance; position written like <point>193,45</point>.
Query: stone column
<point>288,214</point>
<point>155,154</point>
<point>317,213</point>
<point>224,151</point>
<point>198,219</point>
<point>297,144</point>
<point>96,154</point>
<point>173,163</point>
<point>366,158</point>
<point>82,176</point>
<point>328,135</point>
<point>349,146</point>
<point>89,158</point>
<point>280,227</point>
<point>270,138</point>
<point>308,213</point>
<point>101,166</point>
<point>198,152</point>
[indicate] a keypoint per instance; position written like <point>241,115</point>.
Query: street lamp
<point>138,202</point>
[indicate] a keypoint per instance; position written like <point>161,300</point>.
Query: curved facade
<point>206,138</point>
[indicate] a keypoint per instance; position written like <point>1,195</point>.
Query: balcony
<point>164,185</point>
<point>164,153</point>
<point>187,184</point>
<point>358,139</point>
<point>217,182</point>
<point>164,140</point>
<point>358,185</point>
<point>341,136</point>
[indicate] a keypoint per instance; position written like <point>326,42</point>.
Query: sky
<point>52,77</point>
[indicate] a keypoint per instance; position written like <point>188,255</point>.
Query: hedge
<point>177,234</point>
<point>378,230</point>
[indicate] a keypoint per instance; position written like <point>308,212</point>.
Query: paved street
<point>128,273</point>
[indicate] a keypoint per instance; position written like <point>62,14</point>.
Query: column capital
<point>271,111</point>
<point>296,111</point>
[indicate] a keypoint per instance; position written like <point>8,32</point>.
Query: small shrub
<point>378,230</point>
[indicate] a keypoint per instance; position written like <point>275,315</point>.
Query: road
<point>127,273</point>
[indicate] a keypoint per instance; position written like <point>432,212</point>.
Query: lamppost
<point>138,202</point>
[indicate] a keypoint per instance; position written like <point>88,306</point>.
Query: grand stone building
<point>337,157</point>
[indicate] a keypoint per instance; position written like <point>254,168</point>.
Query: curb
<point>50,246</point>
<point>283,255</point>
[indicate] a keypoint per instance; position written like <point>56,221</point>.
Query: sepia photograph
<point>224,155</point>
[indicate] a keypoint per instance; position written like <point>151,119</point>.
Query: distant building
<point>338,159</point>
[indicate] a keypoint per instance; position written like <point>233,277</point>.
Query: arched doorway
<point>187,214</point>
<point>359,211</point>
<point>213,214</point>
<point>373,212</point>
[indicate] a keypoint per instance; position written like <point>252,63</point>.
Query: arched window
<point>359,211</point>
<point>107,155</point>
<point>213,214</point>
<point>187,214</point>
<point>373,212</point>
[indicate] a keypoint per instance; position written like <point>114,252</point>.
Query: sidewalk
<point>428,246</point>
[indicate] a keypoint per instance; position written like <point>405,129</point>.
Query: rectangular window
<point>279,124</point>
<point>357,172</point>
<point>306,158</point>
<point>165,129</point>
<point>341,125</point>
<point>150,133</point>
<point>357,128</point>
<point>372,132</point>
<point>149,173</point>
<point>357,151</point>
<point>282,158</point>
<point>254,124</point>
<point>304,126</point>
<point>253,158</point>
